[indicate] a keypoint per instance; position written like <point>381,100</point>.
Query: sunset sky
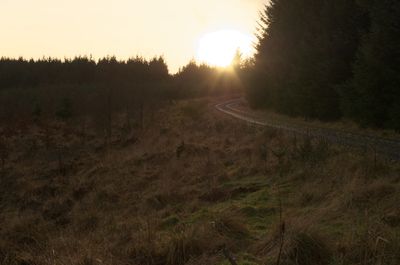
<point>124,28</point>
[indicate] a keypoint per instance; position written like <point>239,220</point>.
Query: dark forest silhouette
<point>330,59</point>
<point>37,90</point>
<point>73,87</point>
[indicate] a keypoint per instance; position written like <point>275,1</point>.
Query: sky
<point>124,28</point>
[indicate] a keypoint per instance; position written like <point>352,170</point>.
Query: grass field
<point>190,188</point>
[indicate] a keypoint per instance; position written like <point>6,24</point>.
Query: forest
<point>50,88</point>
<point>81,88</point>
<point>329,60</point>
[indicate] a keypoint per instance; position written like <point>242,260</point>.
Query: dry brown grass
<point>131,200</point>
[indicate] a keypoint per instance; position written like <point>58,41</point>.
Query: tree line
<point>17,73</point>
<point>328,59</point>
<point>82,88</point>
<point>197,80</point>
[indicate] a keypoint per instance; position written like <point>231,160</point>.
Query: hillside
<point>193,187</point>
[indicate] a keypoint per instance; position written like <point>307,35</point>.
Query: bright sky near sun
<point>124,28</point>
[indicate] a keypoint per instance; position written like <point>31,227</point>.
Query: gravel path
<point>389,147</point>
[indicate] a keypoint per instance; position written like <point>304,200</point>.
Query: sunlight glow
<point>219,48</point>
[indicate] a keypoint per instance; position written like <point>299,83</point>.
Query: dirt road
<point>388,147</point>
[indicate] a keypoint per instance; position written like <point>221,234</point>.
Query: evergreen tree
<point>305,51</point>
<point>373,97</point>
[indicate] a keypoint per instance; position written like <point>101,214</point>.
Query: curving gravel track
<point>389,147</point>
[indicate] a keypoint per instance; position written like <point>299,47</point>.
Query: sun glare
<point>219,48</point>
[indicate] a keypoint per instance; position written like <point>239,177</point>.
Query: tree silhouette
<point>373,96</point>
<point>325,59</point>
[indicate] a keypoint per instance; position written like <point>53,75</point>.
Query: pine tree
<point>374,96</point>
<point>305,51</point>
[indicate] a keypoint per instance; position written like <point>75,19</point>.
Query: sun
<point>219,48</point>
